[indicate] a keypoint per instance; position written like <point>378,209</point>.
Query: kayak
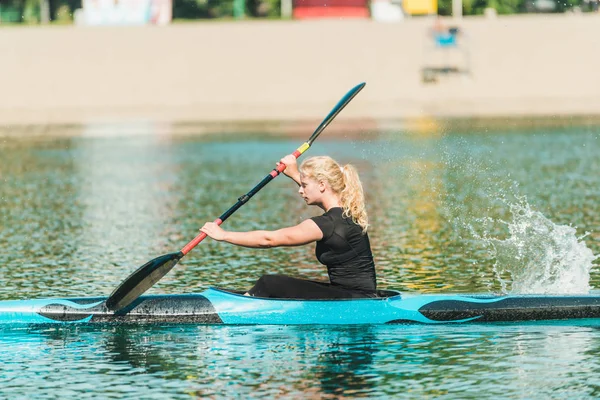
<point>219,306</point>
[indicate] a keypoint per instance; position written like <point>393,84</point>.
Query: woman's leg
<point>286,287</point>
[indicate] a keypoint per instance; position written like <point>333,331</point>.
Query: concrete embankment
<point>291,70</point>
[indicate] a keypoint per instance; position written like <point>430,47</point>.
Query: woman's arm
<point>303,233</point>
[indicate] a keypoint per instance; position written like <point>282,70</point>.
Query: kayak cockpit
<point>381,294</point>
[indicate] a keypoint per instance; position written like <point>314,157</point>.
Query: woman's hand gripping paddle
<point>151,272</point>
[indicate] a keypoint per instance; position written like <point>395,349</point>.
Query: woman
<point>341,234</point>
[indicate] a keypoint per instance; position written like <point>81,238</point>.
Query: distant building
<point>124,12</point>
<point>379,10</point>
<point>420,7</point>
<point>313,9</point>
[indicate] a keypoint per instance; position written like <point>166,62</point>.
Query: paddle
<point>148,274</point>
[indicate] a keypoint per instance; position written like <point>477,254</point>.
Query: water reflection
<point>345,364</point>
<point>127,202</point>
<point>324,362</point>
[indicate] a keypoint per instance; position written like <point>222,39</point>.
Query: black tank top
<point>346,252</point>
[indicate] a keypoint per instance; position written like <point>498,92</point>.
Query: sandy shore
<point>289,70</point>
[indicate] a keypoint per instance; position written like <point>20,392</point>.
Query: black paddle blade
<point>336,110</point>
<point>141,280</point>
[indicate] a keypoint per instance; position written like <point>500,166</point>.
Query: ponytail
<point>353,197</point>
<point>345,182</point>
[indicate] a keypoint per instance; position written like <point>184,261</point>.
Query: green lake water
<point>467,210</point>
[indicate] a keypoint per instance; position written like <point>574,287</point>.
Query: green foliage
<point>503,6</point>
<point>477,7</point>
<point>28,11</point>
<point>31,11</point>
<point>62,10</point>
<point>194,9</point>
<point>63,14</point>
<point>263,8</point>
<point>445,7</point>
<point>9,12</point>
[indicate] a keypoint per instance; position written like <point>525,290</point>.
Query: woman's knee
<point>264,285</point>
<point>271,279</point>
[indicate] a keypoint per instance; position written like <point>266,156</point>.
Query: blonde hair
<point>344,181</point>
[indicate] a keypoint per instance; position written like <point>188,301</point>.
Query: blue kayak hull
<point>216,306</point>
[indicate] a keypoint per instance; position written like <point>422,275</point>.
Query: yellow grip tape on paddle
<point>303,148</point>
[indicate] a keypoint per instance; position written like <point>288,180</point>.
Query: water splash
<point>528,253</point>
<point>537,255</point>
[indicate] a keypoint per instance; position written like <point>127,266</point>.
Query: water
<point>539,256</point>
<point>451,211</point>
<point>182,362</point>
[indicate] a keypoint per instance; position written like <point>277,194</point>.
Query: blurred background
<point>71,61</point>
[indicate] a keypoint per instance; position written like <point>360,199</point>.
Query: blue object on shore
<point>445,40</point>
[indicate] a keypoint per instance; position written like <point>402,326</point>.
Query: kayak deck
<point>218,306</point>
